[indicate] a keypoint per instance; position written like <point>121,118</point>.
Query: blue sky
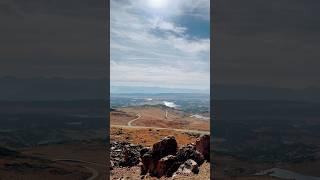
<point>160,43</point>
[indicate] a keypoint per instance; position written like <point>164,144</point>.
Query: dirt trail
<point>130,122</point>
<point>139,127</point>
<point>95,173</point>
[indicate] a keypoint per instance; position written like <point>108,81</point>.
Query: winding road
<point>139,127</point>
<point>95,173</point>
<point>130,122</point>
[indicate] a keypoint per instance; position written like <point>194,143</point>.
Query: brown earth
<point>93,155</point>
<point>155,117</point>
<point>224,162</point>
<point>30,168</point>
<point>86,151</point>
<point>120,117</point>
<point>149,136</point>
<point>149,116</point>
<point>227,162</point>
<point>134,173</point>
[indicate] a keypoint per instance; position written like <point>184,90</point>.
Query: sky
<point>273,43</point>
<point>160,43</point>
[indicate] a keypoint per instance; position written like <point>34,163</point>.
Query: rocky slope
<point>163,160</point>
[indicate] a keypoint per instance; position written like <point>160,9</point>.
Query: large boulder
<point>184,154</point>
<point>203,146</point>
<point>163,165</point>
<point>148,163</point>
<point>164,159</point>
<point>150,157</point>
<point>166,146</point>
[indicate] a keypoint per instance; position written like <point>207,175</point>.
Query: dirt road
<point>139,127</point>
<point>95,173</point>
<point>130,122</point>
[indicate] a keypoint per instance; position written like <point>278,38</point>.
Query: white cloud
<point>163,76</point>
<point>167,57</point>
<point>161,24</point>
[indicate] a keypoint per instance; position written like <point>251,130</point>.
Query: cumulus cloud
<point>161,24</point>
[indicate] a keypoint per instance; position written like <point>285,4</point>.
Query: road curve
<point>94,172</point>
<point>130,122</point>
<point>138,127</point>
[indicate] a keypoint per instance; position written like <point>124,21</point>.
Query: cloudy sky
<point>160,43</point>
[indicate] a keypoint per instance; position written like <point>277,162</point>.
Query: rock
<point>164,159</point>
<point>203,146</point>
<point>148,163</point>
<point>188,167</point>
<point>124,178</point>
<point>144,150</point>
<point>111,165</point>
<point>131,157</point>
<point>189,152</point>
<point>163,165</point>
<point>166,146</point>
<point>152,161</point>
<point>124,154</point>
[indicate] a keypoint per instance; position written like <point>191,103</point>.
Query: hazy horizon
<point>154,90</point>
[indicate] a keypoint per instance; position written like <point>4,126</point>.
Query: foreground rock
<point>164,158</point>
<point>164,165</point>
<point>153,161</point>
<point>124,154</point>
<point>166,146</point>
<point>188,167</point>
<point>189,152</point>
<point>203,146</point>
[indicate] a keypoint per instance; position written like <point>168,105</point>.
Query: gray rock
<point>124,154</point>
<point>188,167</point>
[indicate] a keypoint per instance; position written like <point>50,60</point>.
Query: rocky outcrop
<point>164,164</point>
<point>148,163</point>
<point>166,146</point>
<point>203,146</point>
<point>184,154</point>
<point>189,152</point>
<point>188,167</point>
<point>153,161</point>
<point>164,158</point>
<point>124,154</point>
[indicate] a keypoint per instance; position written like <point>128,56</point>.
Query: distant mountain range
<point>152,90</point>
<point>13,88</point>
